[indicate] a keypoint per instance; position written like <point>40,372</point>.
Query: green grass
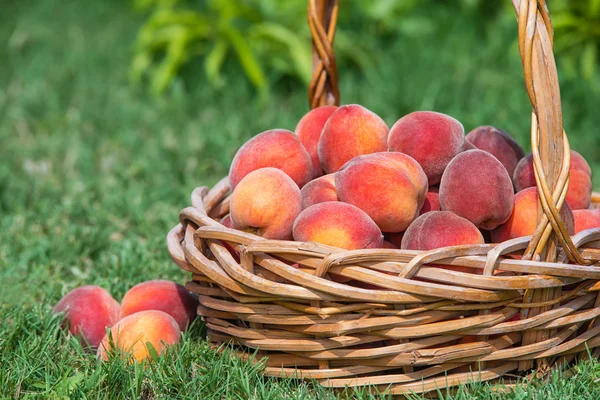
<point>94,172</point>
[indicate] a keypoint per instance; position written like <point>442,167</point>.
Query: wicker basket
<point>408,335</point>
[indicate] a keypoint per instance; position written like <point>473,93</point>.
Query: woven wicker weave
<point>420,327</point>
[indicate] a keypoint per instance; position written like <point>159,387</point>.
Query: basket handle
<point>322,19</point>
<point>550,147</point>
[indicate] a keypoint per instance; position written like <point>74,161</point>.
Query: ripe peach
<point>523,219</point>
<point>319,190</point>
<point>277,148</point>
<point>437,229</point>
<point>89,310</point>
<point>431,138</point>
<point>351,130</point>
<point>477,187</point>
<point>586,219</point>
<point>383,189</point>
<point>499,144</point>
<point>337,224</point>
<point>580,180</point>
<point>432,203</point>
<point>403,162</point>
<point>161,295</point>
<point>309,131</point>
<point>133,333</point>
<point>266,202</point>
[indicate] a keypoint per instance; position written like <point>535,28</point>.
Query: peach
<point>437,229</point>
<point>309,130</point>
<point>580,180</point>
<point>266,202</point>
<point>432,203</point>
<point>337,224</point>
<point>523,219</point>
<point>161,295</point>
<point>431,138</point>
<point>350,131</point>
<point>477,187</point>
<point>319,190</point>
<point>277,148</point>
<point>89,310</point>
<point>499,144</point>
<point>389,191</point>
<point>586,219</point>
<point>135,332</point>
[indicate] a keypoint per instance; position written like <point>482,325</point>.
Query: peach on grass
<point>431,138</point>
<point>89,310</point>
<point>477,187</point>
<point>580,180</point>
<point>388,191</point>
<point>309,130</point>
<point>319,190</point>
<point>161,295</point>
<point>135,333</point>
<point>350,131</point>
<point>266,202</point>
<point>276,148</point>
<point>337,224</point>
<point>499,144</point>
<point>523,219</point>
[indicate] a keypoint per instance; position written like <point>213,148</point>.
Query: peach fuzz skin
<point>437,229</point>
<point>161,295</point>
<point>499,144</point>
<point>309,130</point>
<point>431,138</point>
<point>319,190</point>
<point>477,187</point>
<point>432,203</point>
<point>580,180</point>
<point>351,131</point>
<point>586,219</point>
<point>523,219</point>
<point>277,148</point>
<point>266,202</point>
<point>384,189</point>
<point>132,333</point>
<point>337,224</point>
<point>89,310</point>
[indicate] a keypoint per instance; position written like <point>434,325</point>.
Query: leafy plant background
<point>270,42</point>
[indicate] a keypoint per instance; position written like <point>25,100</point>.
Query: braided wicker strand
<point>322,20</point>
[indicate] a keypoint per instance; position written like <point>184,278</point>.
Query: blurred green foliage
<point>577,32</point>
<point>269,39</point>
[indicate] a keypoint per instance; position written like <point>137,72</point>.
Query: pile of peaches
<point>345,179</point>
<point>150,317</point>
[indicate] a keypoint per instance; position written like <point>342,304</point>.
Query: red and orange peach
<point>431,138</point>
<point>350,131</point>
<point>277,148</point>
<point>337,224</point>
<point>89,310</point>
<point>319,190</point>
<point>161,295</point>
<point>499,144</point>
<point>134,333</point>
<point>477,187</point>
<point>266,203</point>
